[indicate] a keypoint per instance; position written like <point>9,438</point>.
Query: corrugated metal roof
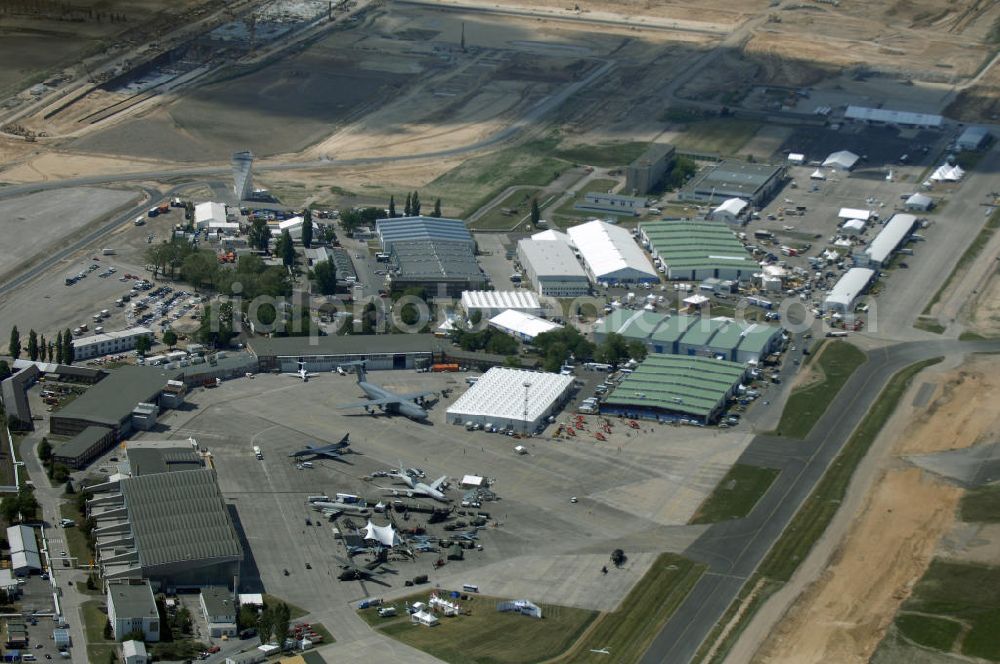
<point>434,260</point>
<point>80,443</point>
<point>409,229</point>
<point>551,259</point>
<point>500,393</point>
<point>111,400</point>
<point>518,322</point>
<point>521,299</point>
<point>892,234</point>
<point>893,117</point>
<point>849,286</point>
<point>178,517</point>
<point>680,383</point>
<point>349,344</point>
<point>697,245</point>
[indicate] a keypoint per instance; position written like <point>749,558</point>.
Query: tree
<point>170,338</point>
<point>286,249</point>
<point>142,345</point>
<point>108,632</point>
<point>59,348</point>
<point>200,269</point>
<point>392,207</point>
<point>437,208</point>
<point>259,236</point>
<point>43,347</point>
<point>408,208</point>
<point>637,350</point>
<point>32,345</point>
<point>307,229</point>
<point>4,370</point>
<point>415,204</point>
<point>536,213</point>
<point>70,489</point>
<point>476,317</point>
<point>216,325</point>
<point>14,347</point>
<point>246,618</point>
<point>325,276</point>
<point>45,451</point>
<point>69,353</point>
<point>613,350</point>
<point>282,616</point>
<point>60,473</point>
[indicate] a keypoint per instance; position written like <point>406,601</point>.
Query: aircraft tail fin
<point>359,368</point>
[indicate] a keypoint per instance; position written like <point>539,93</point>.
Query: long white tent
<point>511,397</point>
<point>610,254</point>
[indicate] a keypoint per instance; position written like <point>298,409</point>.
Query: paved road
<point>734,549</point>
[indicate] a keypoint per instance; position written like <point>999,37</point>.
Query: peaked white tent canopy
<point>384,535</point>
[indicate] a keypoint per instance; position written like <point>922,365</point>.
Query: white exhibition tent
<point>946,173</point>
<point>610,253</point>
<point>854,213</point>
<point>817,175</point>
<point>384,535</point>
<point>843,160</point>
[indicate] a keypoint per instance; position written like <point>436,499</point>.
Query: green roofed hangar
<point>677,334</point>
<point>697,250</point>
<point>676,387</point>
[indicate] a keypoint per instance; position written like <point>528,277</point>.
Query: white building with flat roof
<point>209,215</point>
<point>610,254</point>
<point>891,117</point>
<point>109,343</point>
<point>515,398</point>
<point>854,213</point>
<point>848,289</point>
<point>893,234</point>
<point>490,303</point>
<point>522,325</point>
<point>552,268</point>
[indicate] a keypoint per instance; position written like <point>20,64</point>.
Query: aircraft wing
<point>372,402</point>
<point>414,395</point>
<point>438,482</point>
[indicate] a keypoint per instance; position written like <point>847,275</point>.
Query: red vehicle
<point>214,649</point>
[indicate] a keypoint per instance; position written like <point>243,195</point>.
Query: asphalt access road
<point>734,549</point>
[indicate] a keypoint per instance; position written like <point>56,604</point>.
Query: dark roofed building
<point>110,402</point>
<point>172,528</point>
<point>442,268</point>
<point>84,447</point>
<point>14,392</point>
<point>754,183</point>
<point>380,351</point>
<point>152,457</point>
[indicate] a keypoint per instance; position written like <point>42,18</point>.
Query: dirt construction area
<point>843,615</point>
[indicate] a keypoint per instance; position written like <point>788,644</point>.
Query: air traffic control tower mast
<point>243,175</point>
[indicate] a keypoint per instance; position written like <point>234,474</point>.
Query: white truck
<point>257,453</point>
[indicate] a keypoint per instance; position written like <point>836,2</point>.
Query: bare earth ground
<point>843,615</point>
<point>984,308</point>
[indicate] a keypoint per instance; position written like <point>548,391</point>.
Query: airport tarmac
<point>635,491</point>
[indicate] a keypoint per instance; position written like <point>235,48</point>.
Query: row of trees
<point>18,507</point>
<point>57,472</point>
<point>557,346</point>
<point>412,206</point>
<point>39,349</point>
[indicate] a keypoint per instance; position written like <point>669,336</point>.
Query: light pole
<point>524,426</point>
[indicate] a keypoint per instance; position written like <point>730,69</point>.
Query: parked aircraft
<point>416,487</point>
<point>334,451</point>
<point>385,400</point>
<point>351,572</point>
<point>301,373</point>
<point>335,509</point>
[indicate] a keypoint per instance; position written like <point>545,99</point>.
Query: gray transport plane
<point>383,399</point>
<point>417,488</point>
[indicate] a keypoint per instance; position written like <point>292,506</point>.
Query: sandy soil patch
<point>59,165</point>
<point>844,614</point>
<point>984,309</point>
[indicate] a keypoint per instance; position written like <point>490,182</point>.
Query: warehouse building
<point>522,326</point>
<point>643,174</point>
<point>210,216</point>
<point>443,268</point>
<point>973,138</point>
<point>132,608</point>
<point>843,160</point>
<point>109,343</point>
<point>885,116</point>
<point>919,202</point>
<point>219,608</point>
<point>670,387</point>
<point>14,393</point>
<point>848,289</point>
<point>892,236</point>
<point>84,447</point>
<point>380,351</point>
<point>151,457</point>
<point>172,529</point>
<point>678,334</point>
<point>490,303</point>
<point>754,183</point>
<point>504,397</point>
<point>610,255</point>
<point>697,250</point>
<point>110,402</point>
<point>854,213</point>
<point>552,268</point>
<point>24,555</point>
<point>423,229</point>
<point>613,204</point>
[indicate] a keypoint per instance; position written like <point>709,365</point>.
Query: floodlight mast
<point>524,426</point>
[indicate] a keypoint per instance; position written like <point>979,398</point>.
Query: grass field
<point>817,511</point>
<point>601,185</point>
<point>964,592</point>
<point>481,179</point>
<point>98,648</point>
<point>627,633</point>
<point>929,325</point>
<point>489,637</point>
<point>981,505</point>
<point>294,612</point>
<point>724,136</point>
<point>736,494</point>
<point>604,155</point>
<point>813,517</point>
<point>518,200</point>
<point>836,361</point>
<point>929,631</point>
<point>75,539</point>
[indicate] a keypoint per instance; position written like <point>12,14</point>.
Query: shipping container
<point>438,368</point>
